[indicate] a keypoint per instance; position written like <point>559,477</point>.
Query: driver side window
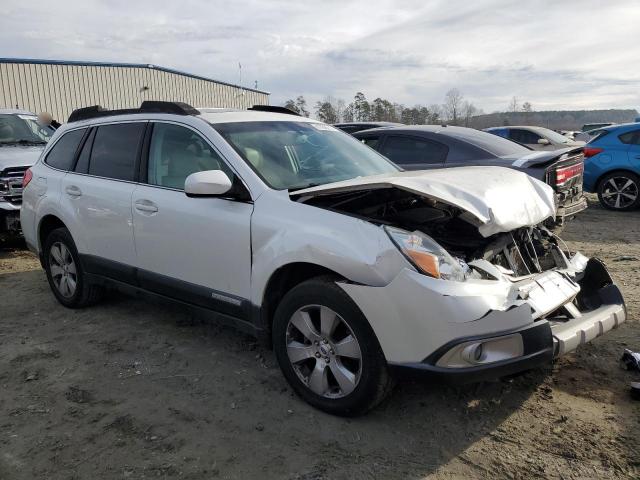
<point>176,152</point>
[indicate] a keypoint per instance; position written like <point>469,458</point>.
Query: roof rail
<point>148,106</point>
<point>273,109</point>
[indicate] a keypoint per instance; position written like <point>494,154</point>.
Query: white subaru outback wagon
<point>291,229</point>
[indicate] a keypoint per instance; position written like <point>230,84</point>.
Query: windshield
<point>294,155</point>
<point>23,129</point>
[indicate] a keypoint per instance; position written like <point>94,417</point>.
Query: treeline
<point>455,110</point>
<point>559,120</point>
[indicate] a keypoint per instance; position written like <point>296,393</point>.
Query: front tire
<point>65,274</point>
<point>327,351</point>
<point>619,191</point>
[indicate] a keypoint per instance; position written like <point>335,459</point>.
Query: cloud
<point>573,54</point>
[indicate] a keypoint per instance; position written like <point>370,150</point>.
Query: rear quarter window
<point>630,138</point>
<point>63,153</point>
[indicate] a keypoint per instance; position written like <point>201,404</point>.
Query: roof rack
<point>148,106</point>
<point>273,109</point>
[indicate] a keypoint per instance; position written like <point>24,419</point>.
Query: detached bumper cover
<point>538,350</point>
<point>542,342</point>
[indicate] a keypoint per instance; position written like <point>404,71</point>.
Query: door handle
<point>73,191</point>
<point>638,157</point>
<point>146,206</point>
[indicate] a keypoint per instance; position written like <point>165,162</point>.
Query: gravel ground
<point>129,389</point>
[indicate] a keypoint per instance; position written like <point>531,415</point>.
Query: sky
<point>554,54</point>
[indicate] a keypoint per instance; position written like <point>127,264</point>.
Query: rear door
<point>632,139</point>
<point>414,153</point>
<point>96,195</point>
<point>192,248</point>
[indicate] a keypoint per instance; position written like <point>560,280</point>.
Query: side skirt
<point>244,326</point>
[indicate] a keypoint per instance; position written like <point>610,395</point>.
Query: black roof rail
<point>273,109</point>
<point>148,106</point>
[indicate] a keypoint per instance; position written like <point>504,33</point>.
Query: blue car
<point>612,166</point>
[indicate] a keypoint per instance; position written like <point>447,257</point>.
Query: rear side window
<point>115,150</point>
<point>630,138</point>
<point>523,136</point>
<point>409,151</point>
<point>64,151</point>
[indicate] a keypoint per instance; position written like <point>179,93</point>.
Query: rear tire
<point>334,361</point>
<point>65,274</point>
<point>619,191</point>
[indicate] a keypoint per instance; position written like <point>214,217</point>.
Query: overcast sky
<point>555,54</point>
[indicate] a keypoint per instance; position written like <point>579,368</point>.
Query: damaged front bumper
<point>474,330</point>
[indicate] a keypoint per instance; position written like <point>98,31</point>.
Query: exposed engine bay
<point>521,252</point>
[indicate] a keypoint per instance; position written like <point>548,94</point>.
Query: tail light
<point>28,175</point>
<point>563,174</point>
<point>591,151</point>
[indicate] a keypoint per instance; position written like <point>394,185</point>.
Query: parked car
<point>22,139</point>
<point>435,146</point>
<point>296,232</point>
<point>612,166</point>
<point>537,138</point>
<point>353,127</point>
<point>587,127</point>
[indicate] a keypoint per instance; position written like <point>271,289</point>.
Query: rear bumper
<point>570,209</point>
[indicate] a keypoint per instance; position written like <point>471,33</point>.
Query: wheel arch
<point>282,281</point>
<point>47,224</point>
<point>615,170</point>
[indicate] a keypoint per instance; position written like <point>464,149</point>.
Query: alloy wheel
<point>324,352</point>
<point>620,192</point>
<point>63,270</point>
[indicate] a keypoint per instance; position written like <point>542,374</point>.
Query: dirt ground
<point>129,389</point>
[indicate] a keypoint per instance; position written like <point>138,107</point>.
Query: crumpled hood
<point>500,199</point>
<point>19,155</point>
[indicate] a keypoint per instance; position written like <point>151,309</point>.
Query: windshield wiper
<point>24,142</point>
<point>302,187</point>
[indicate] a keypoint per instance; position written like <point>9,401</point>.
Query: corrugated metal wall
<point>61,88</point>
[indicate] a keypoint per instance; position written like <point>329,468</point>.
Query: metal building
<point>59,87</point>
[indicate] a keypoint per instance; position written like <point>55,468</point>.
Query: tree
<point>468,111</point>
<point>301,104</point>
<point>513,105</point>
<point>326,112</point>
<point>526,107</point>
<point>361,108</point>
<point>291,105</point>
<point>452,105</point>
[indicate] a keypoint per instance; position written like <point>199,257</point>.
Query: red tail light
<point>563,174</point>
<point>28,175</point>
<point>591,151</point>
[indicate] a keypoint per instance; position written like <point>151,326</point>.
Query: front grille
<point>11,185</point>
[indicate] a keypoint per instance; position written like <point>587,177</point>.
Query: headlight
<point>426,255</point>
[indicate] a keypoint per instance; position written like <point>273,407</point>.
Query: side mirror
<point>544,141</point>
<point>207,183</point>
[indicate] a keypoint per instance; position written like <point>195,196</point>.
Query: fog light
<point>483,352</point>
<point>472,353</point>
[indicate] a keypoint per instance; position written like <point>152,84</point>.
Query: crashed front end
<point>482,300</point>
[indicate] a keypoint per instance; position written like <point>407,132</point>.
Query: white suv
<point>291,229</point>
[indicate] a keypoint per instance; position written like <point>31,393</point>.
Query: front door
<point>191,248</point>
